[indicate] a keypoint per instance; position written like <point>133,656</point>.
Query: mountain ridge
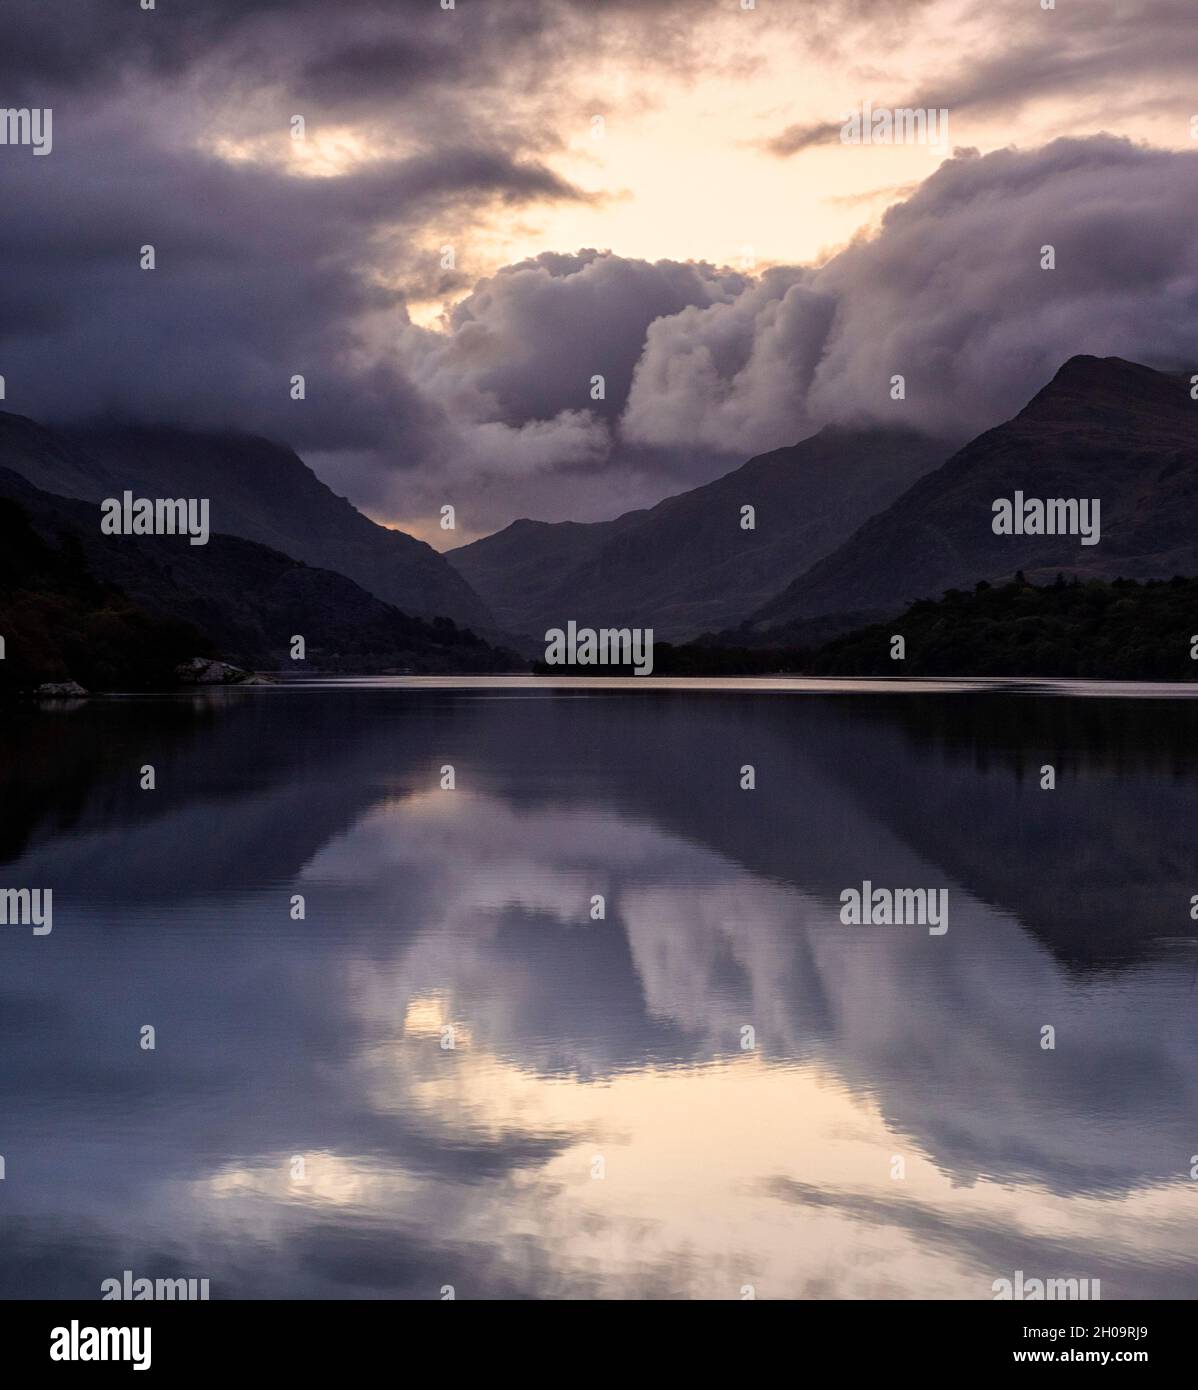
<point>259,490</point>
<point>687,564</point>
<point>244,600</point>
<point>1102,427</point>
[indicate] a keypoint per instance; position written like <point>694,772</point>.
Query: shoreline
<point>1064,687</point>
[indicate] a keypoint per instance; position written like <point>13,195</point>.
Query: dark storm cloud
<point>797,138</point>
<point>351,49</point>
<point>88,45</point>
<point>260,274</point>
<point>533,334</point>
<point>263,273</point>
<point>343,72</point>
<point>377,193</point>
<point>359,50</point>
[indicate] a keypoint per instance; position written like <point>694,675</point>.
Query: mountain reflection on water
<point>612,1046</point>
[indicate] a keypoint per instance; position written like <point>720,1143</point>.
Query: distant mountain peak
<point>1084,365</point>
<point>1090,383</point>
<point>690,563</point>
<point>1103,428</point>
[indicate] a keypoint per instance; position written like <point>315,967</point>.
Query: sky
<point>489,206</point>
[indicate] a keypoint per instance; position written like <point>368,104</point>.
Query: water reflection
<point>618,1040</point>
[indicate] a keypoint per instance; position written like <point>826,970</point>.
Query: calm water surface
<point>610,1047</point>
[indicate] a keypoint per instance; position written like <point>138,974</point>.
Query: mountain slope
<point>521,569</point>
<point>59,622</point>
<point>1121,630</point>
<point>1102,428</point>
<point>245,600</point>
<point>687,565</point>
<point>258,490</point>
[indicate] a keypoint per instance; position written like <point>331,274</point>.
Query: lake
<point>588,1023</point>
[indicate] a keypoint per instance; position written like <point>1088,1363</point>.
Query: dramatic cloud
<point>951,295</point>
<point>369,256</point>
<point>1104,57</point>
<point>736,374</point>
<point>796,138</point>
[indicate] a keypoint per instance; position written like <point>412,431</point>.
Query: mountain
<point>523,568</point>
<point>1102,428</point>
<point>123,610</point>
<point>59,622</point>
<point>258,490</point>
<point>687,565</point>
